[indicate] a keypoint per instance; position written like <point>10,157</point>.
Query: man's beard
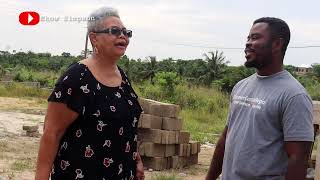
<point>255,64</point>
<point>261,61</point>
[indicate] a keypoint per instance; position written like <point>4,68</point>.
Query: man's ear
<point>278,44</point>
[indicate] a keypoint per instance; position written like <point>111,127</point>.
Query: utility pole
<point>86,46</point>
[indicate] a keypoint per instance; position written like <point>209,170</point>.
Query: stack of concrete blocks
<point>162,144</point>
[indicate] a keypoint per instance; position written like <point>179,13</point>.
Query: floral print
<point>102,142</point>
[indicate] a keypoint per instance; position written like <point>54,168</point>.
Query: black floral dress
<point>101,144</point>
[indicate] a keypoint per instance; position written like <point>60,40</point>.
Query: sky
<point>180,29</point>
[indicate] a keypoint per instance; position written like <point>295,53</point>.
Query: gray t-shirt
<point>265,111</point>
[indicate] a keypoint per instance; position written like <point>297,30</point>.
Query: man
<point>269,132</point>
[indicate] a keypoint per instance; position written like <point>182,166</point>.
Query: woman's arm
<point>140,170</point>
<point>57,119</point>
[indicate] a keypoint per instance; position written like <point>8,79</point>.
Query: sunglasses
<point>116,31</point>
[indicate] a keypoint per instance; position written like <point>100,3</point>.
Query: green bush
<point>46,79</point>
<point>167,81</point>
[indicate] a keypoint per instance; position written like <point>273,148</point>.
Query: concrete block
<point>155,163</point>
<point>172,124</point>
<point>150,121</point>
<point>165,110</point>
<point>195,147</point>
<point>154,150</point>
<point>316,112</point>
<point>184,137</point>
<point>170,150</point>
<point>169,162</point>
<point>30,128</point>
<point>177,137</point>
<point>157,136</point>
<point>183,150</point>
<point>33,133</point>
<point>178,162</point>
<point>179,149</point>
<point>168,137</point>
<point>192,160</point>
<point>141,148</point>
<point>158,108</point>
<point>174,160</point>
<point>145,104</point>
<point>149,135</point>
<point>187,150</point>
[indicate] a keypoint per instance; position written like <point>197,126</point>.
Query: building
<point>303,69</point>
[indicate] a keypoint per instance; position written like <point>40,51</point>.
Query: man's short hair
<point>279,29</point>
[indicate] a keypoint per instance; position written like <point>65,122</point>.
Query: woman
<point>91,123</point>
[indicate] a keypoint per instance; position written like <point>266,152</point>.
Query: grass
<point>17,90</point>
<point>314,91</point>
<point>22,164</point>
<point>19,154</point>
<point>3,146</point>
<point>166,177</point>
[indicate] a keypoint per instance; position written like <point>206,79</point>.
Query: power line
<point>232,48</point>
<point>311,46</point>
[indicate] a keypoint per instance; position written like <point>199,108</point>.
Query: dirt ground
<point>18,153</point>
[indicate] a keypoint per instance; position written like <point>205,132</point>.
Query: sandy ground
<point>18,153</point>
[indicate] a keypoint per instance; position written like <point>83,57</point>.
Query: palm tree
<point>125,62</point>
<point>151,69</point>
<point>215,63</point>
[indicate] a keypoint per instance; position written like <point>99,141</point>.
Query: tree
<point>215,64</point>
<point>66,54</point>
<point>291,69</point>
<point>124,62</point>
<point>151,69</point>
<point>316,70</point>
<point>231,76</point>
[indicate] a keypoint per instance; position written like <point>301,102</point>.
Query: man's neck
<point>267,71</point>
<point>273,68</point>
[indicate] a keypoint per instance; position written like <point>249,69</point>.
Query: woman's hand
<point>140,170</point>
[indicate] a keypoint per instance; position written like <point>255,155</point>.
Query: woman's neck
<point>106,63</point>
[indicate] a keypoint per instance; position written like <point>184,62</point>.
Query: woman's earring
<point>96,50</point>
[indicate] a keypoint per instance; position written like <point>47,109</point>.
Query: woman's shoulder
<point>76,68</point>
<point>74,73</point>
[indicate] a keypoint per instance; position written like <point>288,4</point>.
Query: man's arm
<point>217,159</point>
<point>298,153</point>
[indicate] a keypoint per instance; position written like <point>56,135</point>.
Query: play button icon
<point>29,18</point>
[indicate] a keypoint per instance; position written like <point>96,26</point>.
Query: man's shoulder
<point>292,85</point>
<point>244,81</point>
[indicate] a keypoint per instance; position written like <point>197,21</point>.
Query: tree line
<point>211,70</point>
